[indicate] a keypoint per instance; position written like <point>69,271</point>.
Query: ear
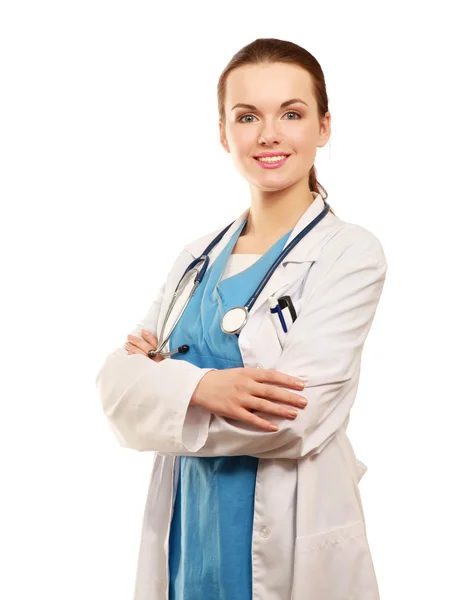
<point>324,130</point>
<point>223,139</point>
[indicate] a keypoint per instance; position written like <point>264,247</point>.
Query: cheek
<point>242,142</point>
<point>303,136</point>
<point>241,138</point>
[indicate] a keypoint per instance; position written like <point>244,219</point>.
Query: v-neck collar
<point>226,253</point>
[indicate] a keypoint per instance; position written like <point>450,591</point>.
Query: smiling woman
<point>295,133</point>
<point>241,507</point>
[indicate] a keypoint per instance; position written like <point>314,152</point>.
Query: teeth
<point>271,158</point>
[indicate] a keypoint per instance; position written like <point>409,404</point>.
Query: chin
<point>277,187</point>
<point>273,182</point>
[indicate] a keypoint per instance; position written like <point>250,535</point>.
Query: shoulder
<point>351,241</point>
<point>196,247</point>
<point>350,260</point>
<point>190,251</point>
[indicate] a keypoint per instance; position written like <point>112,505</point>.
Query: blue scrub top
<point>211,529</point>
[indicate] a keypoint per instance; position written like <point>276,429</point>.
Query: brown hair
<point>270,50</point>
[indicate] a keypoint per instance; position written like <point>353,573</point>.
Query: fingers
<point>149,337</point>
<point>271,408</point>
<point>245,416</point>
<point>134,347</point>
<point>278,378</point>
<point>137,345</point>
<point>274,393</point>
<point>153,343</point>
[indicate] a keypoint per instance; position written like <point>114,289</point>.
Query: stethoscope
<point>234,320</point>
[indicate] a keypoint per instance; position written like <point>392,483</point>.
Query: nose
<point>268,136</point>
<point>268,140</point>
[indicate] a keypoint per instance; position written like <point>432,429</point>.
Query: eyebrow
<point>282,105</point>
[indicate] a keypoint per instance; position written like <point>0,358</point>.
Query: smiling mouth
<point>271,159</point>
<point>272,162</point>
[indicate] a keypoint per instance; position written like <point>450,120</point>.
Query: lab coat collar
<point>306,250</point>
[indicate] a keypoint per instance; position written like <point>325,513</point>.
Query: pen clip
<point>274,307</point>
<point>286,302</point>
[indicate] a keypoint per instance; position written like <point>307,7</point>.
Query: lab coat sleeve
<point>324,345</point>
<point>146,403</point>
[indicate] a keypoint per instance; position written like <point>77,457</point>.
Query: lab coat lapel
<point>306,251</point>
<point>197,247</point>
<point>301,252</point>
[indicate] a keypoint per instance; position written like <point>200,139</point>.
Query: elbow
<point>114,394</point>
<point>325,414</point>
<point>112,411</point>
<point>126,432</point>
<point>317,428</point>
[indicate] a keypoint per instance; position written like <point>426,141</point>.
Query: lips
<point>270,154</point>
<point>273,164</point>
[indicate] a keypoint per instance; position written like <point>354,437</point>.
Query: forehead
<point>268,85</point>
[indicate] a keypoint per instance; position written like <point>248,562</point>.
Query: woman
<point>237,510</point>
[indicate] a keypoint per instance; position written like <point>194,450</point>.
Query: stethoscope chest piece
<point>234,319</point>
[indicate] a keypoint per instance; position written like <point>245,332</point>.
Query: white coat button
<point>264,532</point>
<point>259,366</point>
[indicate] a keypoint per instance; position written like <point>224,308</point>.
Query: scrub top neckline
<point>244,254</point>
<point>261,256</point>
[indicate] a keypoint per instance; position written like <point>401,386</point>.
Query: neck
<point>272,213</point>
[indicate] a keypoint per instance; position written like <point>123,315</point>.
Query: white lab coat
<point>308,514</point>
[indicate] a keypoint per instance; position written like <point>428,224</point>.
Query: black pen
<point>286,302</point>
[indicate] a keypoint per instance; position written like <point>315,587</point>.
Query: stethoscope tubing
<point>205,257</point>
<point>199,277</point>
<point>251,301</point>
<point>162,343</point>
<point>200,274</point>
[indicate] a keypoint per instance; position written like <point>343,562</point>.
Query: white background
<point>110,162</point>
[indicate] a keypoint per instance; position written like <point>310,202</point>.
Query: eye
<point>243,117</point>
<point>290,112</point>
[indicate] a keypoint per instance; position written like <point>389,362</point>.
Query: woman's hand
<point>136,345</point>
<point>236,393</point>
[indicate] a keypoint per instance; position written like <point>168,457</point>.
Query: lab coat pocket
<point>335,565</point>
<point>270,348</point>
<point>277,326</point>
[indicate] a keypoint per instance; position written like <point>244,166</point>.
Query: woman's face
<point>293,129</point>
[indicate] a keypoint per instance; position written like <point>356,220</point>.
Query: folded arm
<point>324,345</point>
<point>147,403</point>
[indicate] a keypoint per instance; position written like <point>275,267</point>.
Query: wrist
<point>195,400</point>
